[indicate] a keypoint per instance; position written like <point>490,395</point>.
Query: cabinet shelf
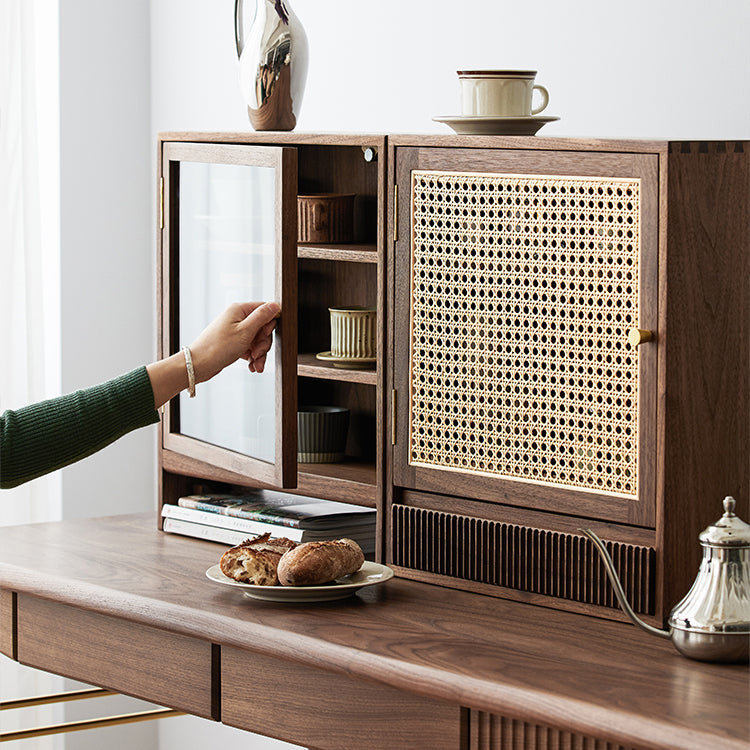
<point>354,253</point>
<point>351,481</point>
<point>309,366</point>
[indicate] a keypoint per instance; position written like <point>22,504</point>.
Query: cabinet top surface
<point>294,138</point>
<point>489,654</point>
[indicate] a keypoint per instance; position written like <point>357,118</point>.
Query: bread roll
<point>255,560</point>
<point>314,563</point>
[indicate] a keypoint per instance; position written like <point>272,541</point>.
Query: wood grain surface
<point>379,717</point>
<point>606,680</point>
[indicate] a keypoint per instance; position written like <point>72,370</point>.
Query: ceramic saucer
<point>347,363</point>
<point>480,125</point>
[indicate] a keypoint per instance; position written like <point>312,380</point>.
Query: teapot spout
<point>617,586</point>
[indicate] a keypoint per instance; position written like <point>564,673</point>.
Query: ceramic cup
<point>321,434</point>
<point>352,332</point>
<point>500,93</point>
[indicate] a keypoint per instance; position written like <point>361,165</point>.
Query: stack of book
<point>230,519</point>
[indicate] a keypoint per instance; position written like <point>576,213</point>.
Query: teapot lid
<point>728,531</point>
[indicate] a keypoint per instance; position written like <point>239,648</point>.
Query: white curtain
<point>29,277</point>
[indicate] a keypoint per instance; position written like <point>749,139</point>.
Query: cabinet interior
<point>328,275</point>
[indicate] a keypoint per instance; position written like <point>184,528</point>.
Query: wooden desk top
<point>555,668</point>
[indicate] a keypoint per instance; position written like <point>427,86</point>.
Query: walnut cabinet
<point>563,332</point>
<point>574,315</point>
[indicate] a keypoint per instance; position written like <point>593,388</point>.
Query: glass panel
<point>227,243</point>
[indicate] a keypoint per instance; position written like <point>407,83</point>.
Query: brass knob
<point>638,336</point>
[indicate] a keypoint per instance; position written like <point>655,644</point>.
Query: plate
<point>369,574</point>
<point>347,363</point>
<point>470,125</point>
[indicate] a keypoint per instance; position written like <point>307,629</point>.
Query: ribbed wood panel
<point>551,563</point>
<point>492,732</point>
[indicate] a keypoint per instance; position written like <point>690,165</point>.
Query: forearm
<point>168,378</point>
<point>46,436</point>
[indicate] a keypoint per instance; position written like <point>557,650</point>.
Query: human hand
<point>243,331</point>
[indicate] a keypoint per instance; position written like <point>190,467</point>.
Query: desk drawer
<point>328,710</point>
<point>158,666</point>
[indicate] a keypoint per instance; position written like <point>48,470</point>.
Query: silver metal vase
<point>273,61</point>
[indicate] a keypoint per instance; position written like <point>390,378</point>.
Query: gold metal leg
<point>41,700</point>
<point>74,726</point>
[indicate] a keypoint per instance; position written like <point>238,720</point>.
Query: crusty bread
<point>314,563</point>
<point>255,560</point>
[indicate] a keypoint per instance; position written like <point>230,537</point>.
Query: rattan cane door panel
<point>521,287</point>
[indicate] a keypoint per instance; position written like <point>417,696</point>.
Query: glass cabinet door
<point>230,236</point>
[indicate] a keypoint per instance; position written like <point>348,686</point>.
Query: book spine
<point>237,512</point>
<point>201,531</point>
<point>246,526</point>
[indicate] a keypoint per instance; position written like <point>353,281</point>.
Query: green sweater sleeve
<point>40,438</point>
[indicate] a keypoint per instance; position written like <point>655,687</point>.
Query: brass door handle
<point>638,336</point>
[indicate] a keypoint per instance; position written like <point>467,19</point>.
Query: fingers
<point>259,315</point>
<point>257,365</point>
<point>243,330</point>
<point>259,323</point>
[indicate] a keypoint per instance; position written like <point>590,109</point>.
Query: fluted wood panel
<point>540,561</point>
<point>492,732</point>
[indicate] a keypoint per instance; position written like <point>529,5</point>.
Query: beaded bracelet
<point>190,370</point>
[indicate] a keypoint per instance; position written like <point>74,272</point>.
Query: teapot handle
<point>617,586</point>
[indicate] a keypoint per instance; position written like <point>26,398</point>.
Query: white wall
<point>646,68</point>
<point>106,229</point>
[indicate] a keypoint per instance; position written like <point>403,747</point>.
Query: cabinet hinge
<point>393,417</point>
<point>395,213</point>
<point>161,203</point>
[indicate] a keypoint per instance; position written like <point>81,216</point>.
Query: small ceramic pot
<point>321,434</point>
<point>328,217</point>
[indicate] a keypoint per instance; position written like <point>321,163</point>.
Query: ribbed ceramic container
<point>328,217</point>
<point>352,332</point>
<point>321,434</point>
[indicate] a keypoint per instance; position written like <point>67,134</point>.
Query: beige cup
<point>352,332</point>
<point>500,93</point>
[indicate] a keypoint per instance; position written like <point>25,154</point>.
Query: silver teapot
<point>712,622</point>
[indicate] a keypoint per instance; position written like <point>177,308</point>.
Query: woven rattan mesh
<point>524,289</point>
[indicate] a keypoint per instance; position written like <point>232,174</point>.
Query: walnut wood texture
<point>706,352</point>
<point>697,448</point>
<point>135,659</point>
<point>600,679</point>
<point>282,471</point>
<point>346,482</point>
<point>542,495</point>
<point>353,253</point>
<point>490,732</point>
<point>372,716</point>
<point>308,365</point>
<point>8,623</point>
